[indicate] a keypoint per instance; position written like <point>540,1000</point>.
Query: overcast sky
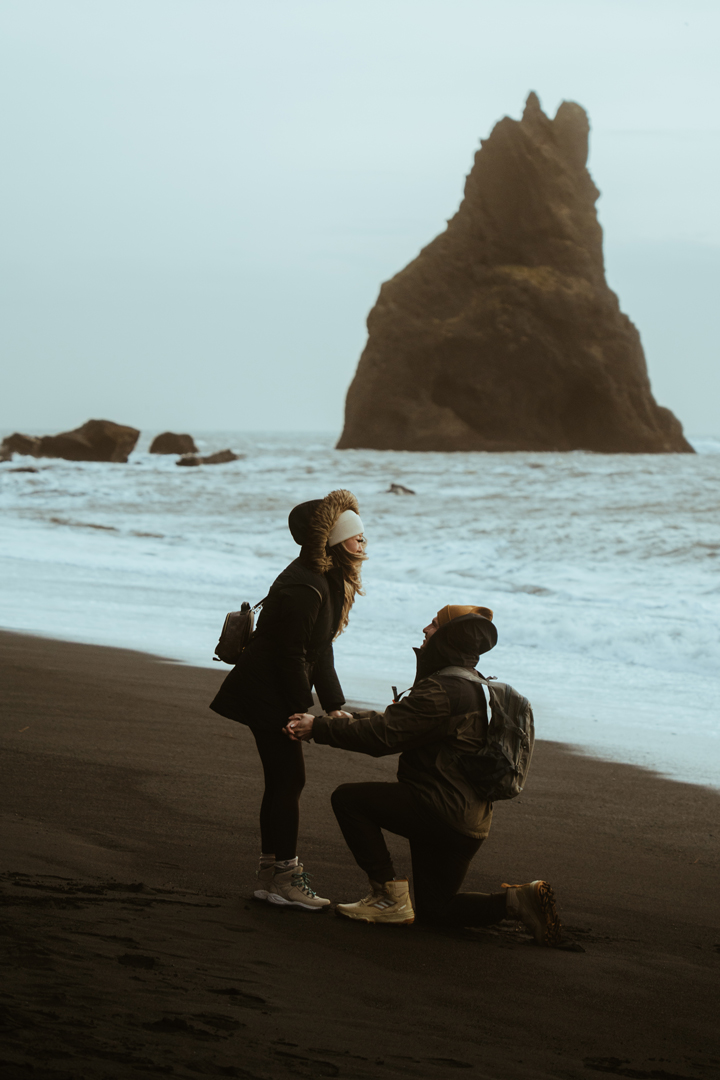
<point>200,198</point>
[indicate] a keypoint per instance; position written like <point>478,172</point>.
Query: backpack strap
<point>461,672</point>
<point>297,584</point>
<point>472,676</point>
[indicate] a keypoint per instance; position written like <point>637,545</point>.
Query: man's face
<point>428,631</point>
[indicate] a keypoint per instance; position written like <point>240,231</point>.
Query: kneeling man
<point>432,803</point>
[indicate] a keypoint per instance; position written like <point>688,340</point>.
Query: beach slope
<point>131,944</point>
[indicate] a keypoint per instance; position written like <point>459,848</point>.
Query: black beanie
<point>300,518</point>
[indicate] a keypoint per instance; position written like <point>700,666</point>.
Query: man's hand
<point>299,727</point>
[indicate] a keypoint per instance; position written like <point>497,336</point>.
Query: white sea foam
<point>603,571</point>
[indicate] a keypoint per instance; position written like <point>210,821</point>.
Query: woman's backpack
<point>499,769</point>
<point>236,632</point>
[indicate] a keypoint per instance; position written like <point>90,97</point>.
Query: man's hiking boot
<point>387,903</point>
<point>534,905</point>
<point>264,877</point>
<point>291,888</point>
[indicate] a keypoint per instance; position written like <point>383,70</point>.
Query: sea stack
<point>503,333</point>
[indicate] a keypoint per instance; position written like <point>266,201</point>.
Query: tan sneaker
<point>291,888</point>
<point>264,877</point>
<point>387,903</point>
<point>534,905</point>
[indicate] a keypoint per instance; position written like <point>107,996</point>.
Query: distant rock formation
<point>20,444</point>
<point>220,458</point>
<point>170,443</point>
<point>503,334</point>
<point>97,440</point>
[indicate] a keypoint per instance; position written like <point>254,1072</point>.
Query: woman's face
<point>355,545</point>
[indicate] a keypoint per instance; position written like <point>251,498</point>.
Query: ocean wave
<point>591,562</point>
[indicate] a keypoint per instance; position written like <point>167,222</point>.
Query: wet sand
<point>131,945</point>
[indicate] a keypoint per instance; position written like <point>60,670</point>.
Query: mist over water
<point>603,571</point>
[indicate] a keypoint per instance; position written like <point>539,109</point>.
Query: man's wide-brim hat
<point>322,523</point>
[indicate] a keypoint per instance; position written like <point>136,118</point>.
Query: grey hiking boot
<point>291,888</point>
<point>387,903</point>
<point>264,875</point>
<point>534,906</point>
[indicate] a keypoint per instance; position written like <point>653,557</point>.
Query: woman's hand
<point>299,727</point>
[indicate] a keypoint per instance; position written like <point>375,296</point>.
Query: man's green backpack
<point>499,770</point>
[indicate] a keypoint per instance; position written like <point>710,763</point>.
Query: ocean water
<point>603,571</point>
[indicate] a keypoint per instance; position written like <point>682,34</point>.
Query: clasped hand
<point>299,726</point>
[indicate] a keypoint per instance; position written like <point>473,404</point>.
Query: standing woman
<point>289,652</point>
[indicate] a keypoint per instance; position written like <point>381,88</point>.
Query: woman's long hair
<point>351,566</point>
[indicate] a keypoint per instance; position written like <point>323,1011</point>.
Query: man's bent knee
<point>343,795</point>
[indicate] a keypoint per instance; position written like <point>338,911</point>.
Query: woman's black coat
<point>289,652</point>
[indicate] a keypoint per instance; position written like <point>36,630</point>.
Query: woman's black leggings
<point>284,768</point>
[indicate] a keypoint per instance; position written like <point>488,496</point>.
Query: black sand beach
<point>131,946</point>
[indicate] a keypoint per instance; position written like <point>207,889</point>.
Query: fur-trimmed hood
<point>311,524</point>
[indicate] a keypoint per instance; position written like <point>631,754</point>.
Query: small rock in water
<point>220,458</point>
<point>399,489</point>
<point>170,443</point>
<point>25,468</point>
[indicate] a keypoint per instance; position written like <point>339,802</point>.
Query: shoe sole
<point>383,922</point>
<point>553,926</point>
<point>552,930</point>
<point>280,901</point>
<point>261,894</point>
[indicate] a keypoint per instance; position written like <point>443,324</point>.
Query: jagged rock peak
<point>532,108</point>
<point>571,128</point>
<point>503,333</point>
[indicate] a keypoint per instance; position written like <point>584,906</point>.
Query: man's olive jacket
<point>442,717</point>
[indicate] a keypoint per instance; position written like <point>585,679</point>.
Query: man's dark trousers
<point>440,854</point>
